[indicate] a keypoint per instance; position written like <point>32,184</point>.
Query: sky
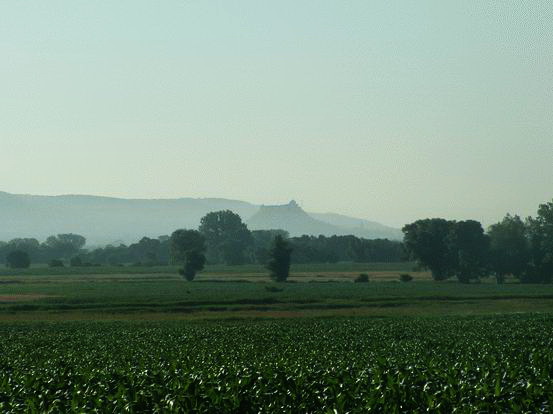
<point>385,110</point>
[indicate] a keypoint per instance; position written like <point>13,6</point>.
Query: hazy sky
<point>390,111</point>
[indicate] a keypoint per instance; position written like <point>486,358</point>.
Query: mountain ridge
<point>102,219</point>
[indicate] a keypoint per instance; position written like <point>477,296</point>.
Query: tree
<point>227,238</point>
<point>194,262</point>
<point>55,263</point>
<point>145,251</point>
<point>280,259</point>
<point>427,241</point>
<point>28,245</point>
<point>18,259</point>
<point>509,248</point>
<point>469,247</point>
<point>187,248</point>
<point>448,248</point>
<point>64,245</point>
<point>262,242</point>
<point>540,231</point>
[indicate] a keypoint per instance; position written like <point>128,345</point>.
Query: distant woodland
<point>513,247</point>
<point>228,241</point>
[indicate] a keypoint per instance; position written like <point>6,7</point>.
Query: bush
<point>18,259</point>
<point>76,261</point>
<point>405,277</point>
<point>362,278</point>
<point>55,263</point>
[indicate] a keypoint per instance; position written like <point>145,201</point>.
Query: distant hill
<point>360,227</point>
<point>105,220</point>
<point>289,217</point>
<point>296,221</point>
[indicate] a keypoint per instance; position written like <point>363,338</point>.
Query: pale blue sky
<point>390,111</point>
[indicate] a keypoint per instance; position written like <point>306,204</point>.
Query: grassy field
<point>226,292</point>
<point>210,270</point>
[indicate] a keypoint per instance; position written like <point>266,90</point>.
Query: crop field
<point>446,364</point>
<point>232,341</point>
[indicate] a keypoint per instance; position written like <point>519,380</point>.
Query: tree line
<point>227,241</point>
<point>21,251</point>
<point>516,247</point>
<point>448,248</point>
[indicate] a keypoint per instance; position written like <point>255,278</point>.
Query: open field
<point>246,292</point>
<point>356,365</point>
<point>250,270</point>
<point>232,341</point>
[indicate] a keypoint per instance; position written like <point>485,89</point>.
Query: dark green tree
<point>428,242</point>
<point>227,237</point>
<point>540,231</point>
<point>55,263</point>
<point>194,262</point>
<point>280,259</point>
<point>64,245</point>
<point>262,242</point>
<point>146,251</point>
<point>469,248</point>
<point>509,248</point>
<point>28,245</point>
<point>18,259</point>
<point>187,248</point>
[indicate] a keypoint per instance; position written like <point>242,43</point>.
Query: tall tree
<point>18,259</point>
<point>227,237</point>
<point>280,259</point>
<point>540,230</point>
<point>64,245</point>
<point>509,248</point>
<point>30,246</point>
<point>427,241</point>
<point>262,242</point>
<point>187,248</point>
<point>146,250</point>
<point>469,247</point>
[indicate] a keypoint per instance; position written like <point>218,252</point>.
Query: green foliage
<point>155,252</point>
<point>362,278</point>
<point>280,258</point>
<point>333,249</point>
<point>55,263</point>
<point>448,248</point>
<point>427,241</point>
<point>28,245</point>
<point>194,262</point>
<point>405,277</point>
<point>440,365</point>
<point>188,247</point>
<point>227,237</point>
<point>262,242</point>
<point>146,251</point>
<point>540,231</point>
<point>18,259</point>
<point>509,248</point>
<point>469,248</point>
<point>64,245</point>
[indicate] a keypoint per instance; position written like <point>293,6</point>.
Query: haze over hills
<point>296,221</point>
<point>105,220</point>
